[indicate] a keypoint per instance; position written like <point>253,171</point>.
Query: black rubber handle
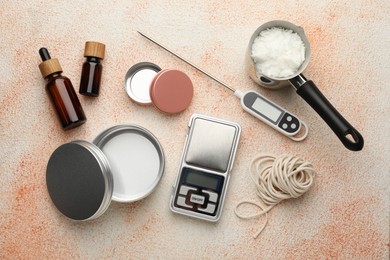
<point>313,96</point>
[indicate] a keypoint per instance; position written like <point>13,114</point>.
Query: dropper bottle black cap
<point>44,53</point>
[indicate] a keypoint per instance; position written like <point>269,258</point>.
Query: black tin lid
<point>79,180</point>
<point>80,176</point>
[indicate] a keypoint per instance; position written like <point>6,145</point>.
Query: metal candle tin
<point>169,90</point>
<point>124,163</point>
<point>138,79</point>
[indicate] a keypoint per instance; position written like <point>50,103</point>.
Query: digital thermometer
<point>205,166</point>
<point>257,105</point>
<point>271,114</point>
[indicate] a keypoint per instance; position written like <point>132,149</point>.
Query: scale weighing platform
<point>205,167</point>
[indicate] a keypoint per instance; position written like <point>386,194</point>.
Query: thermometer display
<point>262,106</point>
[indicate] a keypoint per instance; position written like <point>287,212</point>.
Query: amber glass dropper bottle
<point>61,92</point>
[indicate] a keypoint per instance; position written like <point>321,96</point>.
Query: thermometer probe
<point>255,104</point>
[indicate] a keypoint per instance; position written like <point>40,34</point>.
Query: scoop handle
<point>340,126</point>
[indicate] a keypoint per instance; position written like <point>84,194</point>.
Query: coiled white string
<point>277,179</point>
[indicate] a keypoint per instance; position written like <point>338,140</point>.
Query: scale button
<point>289,118</point>
<point>284,126</point>
<point>212,195</point>
<point>181,201</point>
<point>293,126</point>
<point>210,208</point>
<point>184,189</point>
<point>197,199</point>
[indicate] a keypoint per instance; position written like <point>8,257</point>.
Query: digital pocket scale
<point>204,173</point>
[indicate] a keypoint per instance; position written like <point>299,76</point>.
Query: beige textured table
<point>346,213</point>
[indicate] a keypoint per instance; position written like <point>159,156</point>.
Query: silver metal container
<point>347,134</point>
<point>272,82</point>
<point>136,158</point>
<point>124,164</point>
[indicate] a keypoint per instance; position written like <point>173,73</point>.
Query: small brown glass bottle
<point>61,92</point>
<point>92,69</point>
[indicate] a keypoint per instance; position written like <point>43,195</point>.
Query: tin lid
<point>171,91</point>
<point>136,159</point>
<point>79,180</point>
<point>138,79</point>
<point>94,49</point>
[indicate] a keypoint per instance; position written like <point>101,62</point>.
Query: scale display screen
<point>202,180</point>
<point>267,109</point>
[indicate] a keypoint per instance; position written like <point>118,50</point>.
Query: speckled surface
<point>346,213</point>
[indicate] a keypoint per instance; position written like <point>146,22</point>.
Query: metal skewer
<point>188,62</point>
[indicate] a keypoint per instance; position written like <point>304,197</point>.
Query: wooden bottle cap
<point>94,49</point>
<point>48,67</point>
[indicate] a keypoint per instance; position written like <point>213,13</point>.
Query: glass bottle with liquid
<point>61,92</point>
<point>92,69</point>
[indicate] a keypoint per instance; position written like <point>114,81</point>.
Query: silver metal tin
<point>136,158</point>
<point>82,178</point>
<point>138,80</point>
<point>270,82</point>
<point>210,149</point>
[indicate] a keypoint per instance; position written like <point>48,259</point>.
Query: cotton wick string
<point>277,179</point>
